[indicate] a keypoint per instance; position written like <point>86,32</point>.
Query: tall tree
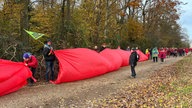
<point>62,35</point>
<point>24,21</point>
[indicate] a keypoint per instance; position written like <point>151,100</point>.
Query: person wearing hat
<point>49,59</point>
<point>134,57</point>
<point>31,62</point>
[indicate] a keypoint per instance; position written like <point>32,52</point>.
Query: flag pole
<point>40,42</point>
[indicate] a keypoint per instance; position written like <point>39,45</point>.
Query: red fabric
<point>114,58</point>
<point>82,63</point>
<point>142,56</point>
<point>148,55</point>
<point>32,62</point>
<point>162,54</point>
<point>12,76</point>
<point>124,55</point>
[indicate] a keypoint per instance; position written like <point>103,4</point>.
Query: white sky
<point>186,17</point>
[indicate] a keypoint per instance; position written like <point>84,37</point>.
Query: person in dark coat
<point>134,57</point>
<point>103,46</point>
<point>49,59</point>
<point>31,62</point>
<point>150,51</point>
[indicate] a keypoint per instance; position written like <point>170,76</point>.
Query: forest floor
<point>167,84</point>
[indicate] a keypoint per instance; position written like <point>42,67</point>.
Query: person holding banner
<point>32,63</point>
<point>49,59</point>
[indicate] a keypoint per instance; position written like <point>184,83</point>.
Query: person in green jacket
<point>155,54</point>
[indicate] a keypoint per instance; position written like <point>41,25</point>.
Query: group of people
<point>154,54</point>
<point>177,52</point>
<point>163,53</point>
<point>49,56</point>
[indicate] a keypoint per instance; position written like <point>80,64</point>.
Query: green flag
<point>34,35</point>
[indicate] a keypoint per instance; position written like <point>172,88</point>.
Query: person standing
<point>128,48</point>
<point>103,47</point>
<point>96,49</point>
<point>118,47</point>
<point>186,51</point>
<point>150,51</point>
<point>162,55</point>
<point>32,63</point>
<point>134,57</point>
<point>49,59</point>
<point>147,53</point>
<point>155,54</point>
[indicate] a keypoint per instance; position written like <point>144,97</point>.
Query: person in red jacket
<point>186,51</point>
<point>162,55</point>
<point>32,63</point>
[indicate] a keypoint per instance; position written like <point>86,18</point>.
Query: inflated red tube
<point>113,57</point>
<point>80,63</point>
<point>13,76</point>
<point>142,56</point>
<point>124,55</point>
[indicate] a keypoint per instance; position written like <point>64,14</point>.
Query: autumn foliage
<point>86,23</point>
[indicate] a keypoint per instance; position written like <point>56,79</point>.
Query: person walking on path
<point>49,59</point>
<point>155,54</point>
<point>186,51</point>
<point>134,57</point>
<point>32,63</point>
<point>147,53</point>
<point>162,55</point>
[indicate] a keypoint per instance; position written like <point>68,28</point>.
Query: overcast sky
<point>186,17</point>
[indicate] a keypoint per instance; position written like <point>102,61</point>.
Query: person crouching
<point>31,62</point>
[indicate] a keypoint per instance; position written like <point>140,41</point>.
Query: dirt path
<point>77,94</point>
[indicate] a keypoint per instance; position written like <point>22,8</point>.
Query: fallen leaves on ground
<point>168,87</point>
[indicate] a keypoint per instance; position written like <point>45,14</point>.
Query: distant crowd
<point>163,53</point>
<point>154,53</point>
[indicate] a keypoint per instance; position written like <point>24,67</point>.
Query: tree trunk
<point>144,14</point>
<point>62,20</point>
<point>98,22</point>
<point>124,11</point>
<point>106,19</point>
<point>52,3</point>
<point>24,22</point>
<point>73,6</point>
<point>68,10</point>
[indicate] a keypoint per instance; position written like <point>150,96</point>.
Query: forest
<point>86,23</point>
